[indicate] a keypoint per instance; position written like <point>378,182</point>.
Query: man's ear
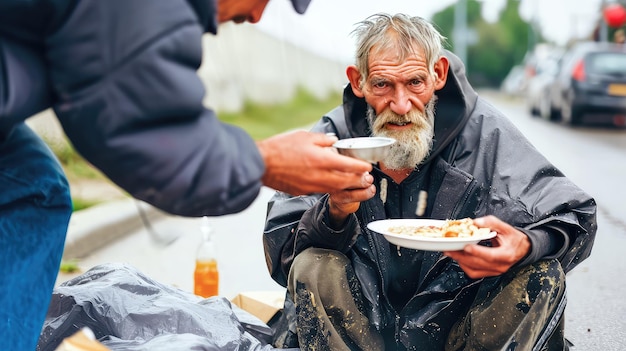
<point>354,76</point>
<point>441,72</point>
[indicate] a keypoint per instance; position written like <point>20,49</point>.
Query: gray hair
<point>401,32</point>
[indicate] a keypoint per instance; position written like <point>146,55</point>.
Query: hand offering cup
<point>370,149</point>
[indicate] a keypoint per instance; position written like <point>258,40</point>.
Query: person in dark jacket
<point>348,288</point>
<point>121,76</point>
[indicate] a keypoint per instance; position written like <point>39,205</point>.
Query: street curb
<point>99,225</point>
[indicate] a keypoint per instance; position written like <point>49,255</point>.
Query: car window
<point>607,63</point>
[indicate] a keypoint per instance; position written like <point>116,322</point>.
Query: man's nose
<point>256,13</point>
<point>400,104</point>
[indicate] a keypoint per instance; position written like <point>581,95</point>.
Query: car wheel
<point>531,104</point>
<point>570,114</point>
<point>533,111</point>
<point>545,109</point>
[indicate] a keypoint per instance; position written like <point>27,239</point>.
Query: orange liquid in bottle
<point>206,278</point>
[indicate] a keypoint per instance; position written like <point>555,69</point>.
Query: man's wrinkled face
<point>401,97</point>
<point>413,131</point>
<point>240,11</point>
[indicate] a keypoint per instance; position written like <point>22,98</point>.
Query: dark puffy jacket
<point>121,78</point>
<point>480,165</point>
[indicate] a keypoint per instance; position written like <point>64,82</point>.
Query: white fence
<point>242,62</point>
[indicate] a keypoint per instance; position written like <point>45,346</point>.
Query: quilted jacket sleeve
<point>128,96</point>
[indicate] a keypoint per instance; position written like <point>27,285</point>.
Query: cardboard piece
<point>262,304</point>
<point>82,340</point>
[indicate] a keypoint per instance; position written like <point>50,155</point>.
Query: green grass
<point>70,266</point>
<point>81,204</point>
<point>262,121</point>
<point>74,165</point>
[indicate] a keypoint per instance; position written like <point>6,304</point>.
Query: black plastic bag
<point>127,311</point>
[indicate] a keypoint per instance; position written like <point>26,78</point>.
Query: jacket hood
<point>456,101</point>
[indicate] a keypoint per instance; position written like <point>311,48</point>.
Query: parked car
<point>538,86</point>
<point>513,83</point>
<point>535,59</point>
<point>590,85</point>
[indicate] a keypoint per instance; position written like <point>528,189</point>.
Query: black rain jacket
<point>480,165</point>
<point>121,76</point>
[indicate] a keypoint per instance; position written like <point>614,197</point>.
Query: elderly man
<point>348,288</point>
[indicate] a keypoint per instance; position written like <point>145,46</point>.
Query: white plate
<point>420,242</point>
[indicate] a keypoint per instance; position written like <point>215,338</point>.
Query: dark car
<point>590,85</point>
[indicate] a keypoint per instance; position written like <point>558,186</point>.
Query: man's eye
<point>416,82</point>
<point>380,85</point>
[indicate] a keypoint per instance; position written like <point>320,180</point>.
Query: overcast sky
<point>325,27</point>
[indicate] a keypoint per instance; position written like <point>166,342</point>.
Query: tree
<point>500,46</point>
<point>444,20</point>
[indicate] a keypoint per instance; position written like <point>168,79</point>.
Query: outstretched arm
<point>302,163</point>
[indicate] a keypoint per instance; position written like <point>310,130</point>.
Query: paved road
<point>594,159</point>
<point>596,313</point>
<point>238,238</point>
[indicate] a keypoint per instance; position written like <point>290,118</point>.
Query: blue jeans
<point>35,208</point>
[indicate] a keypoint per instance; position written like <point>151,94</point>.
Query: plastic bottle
<point>206,275</point>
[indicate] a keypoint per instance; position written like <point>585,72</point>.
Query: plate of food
<point>431,234</point>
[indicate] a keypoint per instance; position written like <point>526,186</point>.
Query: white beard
<point>413,145</point>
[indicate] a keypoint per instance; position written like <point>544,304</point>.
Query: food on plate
<point>451,228</point>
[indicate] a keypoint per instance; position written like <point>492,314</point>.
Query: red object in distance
<point>614,15</point>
